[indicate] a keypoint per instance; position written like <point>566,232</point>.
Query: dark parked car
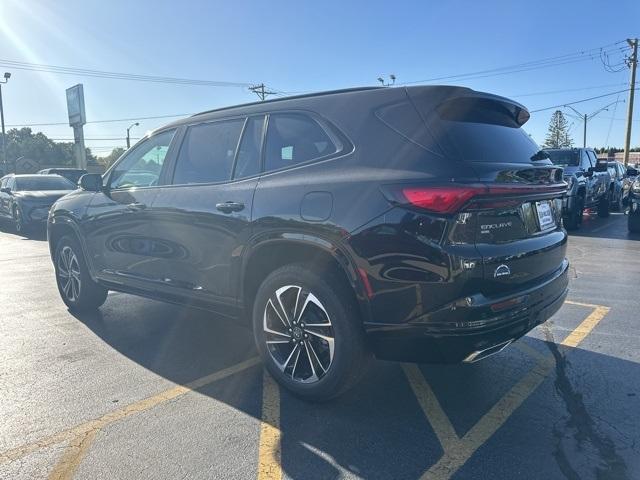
<point>588,180</point>
<point>634,206</point>
<point>72,174</point>
<point>26,199</point>
<point>418,224</point>
<point>620,185</point>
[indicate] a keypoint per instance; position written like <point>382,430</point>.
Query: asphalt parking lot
<point>143,389</point>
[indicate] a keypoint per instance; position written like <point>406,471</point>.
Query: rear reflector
<point>451,199</point>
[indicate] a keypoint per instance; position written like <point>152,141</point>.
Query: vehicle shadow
<point>38,234</point>
<point>613,227</point>
<point>378,429</point>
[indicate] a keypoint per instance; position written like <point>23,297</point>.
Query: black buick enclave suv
<point>416,224</point>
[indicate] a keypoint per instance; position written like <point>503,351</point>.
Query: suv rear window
<point>564,158</point>
<point>294,138</point>
<point>475,129</point>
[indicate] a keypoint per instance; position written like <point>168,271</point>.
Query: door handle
<point>228,207</point>
<point>136,206</point>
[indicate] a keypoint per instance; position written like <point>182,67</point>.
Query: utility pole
<point>261,91</point>
<point>7,76</point>
<point>633,63</point>
<point>585,118</point>
<point>128,138</point>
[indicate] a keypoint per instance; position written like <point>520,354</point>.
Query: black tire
<point>604,206</point>
<point>574,219</point>
<point>77,289</point>
<point>633,223</point>
<point>18,220</point>
<point>344,367</point>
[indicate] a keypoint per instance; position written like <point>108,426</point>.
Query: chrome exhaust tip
<point>487,352</point>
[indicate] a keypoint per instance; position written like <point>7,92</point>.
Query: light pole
<point>7,76</point>
<point>128,139</point>
<point>585,118</point>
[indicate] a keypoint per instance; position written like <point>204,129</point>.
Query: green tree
<point>558,133</point>
<point>112,157</point>
<point>22,142</point>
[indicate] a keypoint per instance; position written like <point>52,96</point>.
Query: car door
<point>118,222</point>
<point>205,214</point>
<point>590,180</point>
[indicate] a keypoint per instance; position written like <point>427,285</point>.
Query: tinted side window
<point>295,138</point>
<point>207,152</point>
<point>585,162</point>
<point>248,159</point>
<point>143,164</point>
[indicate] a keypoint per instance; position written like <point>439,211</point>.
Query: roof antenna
<point>392,81</point>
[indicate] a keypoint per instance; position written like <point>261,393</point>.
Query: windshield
<point>44,182</point>
<point>565,158</point>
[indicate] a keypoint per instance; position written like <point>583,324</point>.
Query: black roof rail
<point>293,97</point>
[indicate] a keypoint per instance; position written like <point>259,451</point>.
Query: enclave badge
<point>502,271</point>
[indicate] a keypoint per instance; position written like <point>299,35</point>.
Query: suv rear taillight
<point>451,199</point>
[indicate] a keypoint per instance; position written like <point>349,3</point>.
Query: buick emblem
<point>502,271</point>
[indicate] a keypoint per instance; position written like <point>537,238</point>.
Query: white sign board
<point>75,105</point>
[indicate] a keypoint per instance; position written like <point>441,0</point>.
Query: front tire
<point>308,332</point>
<point>18,220</point>
<point>603,207</point>
<point>77,289</point>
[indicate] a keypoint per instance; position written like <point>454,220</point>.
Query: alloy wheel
<point>17,219</point>
<point>298,333</point>
<point>69,274</point>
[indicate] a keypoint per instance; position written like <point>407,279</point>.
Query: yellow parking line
<point>431,407</point>
<point>582,304</point>
<point>458,450</point>
<point>587,325</point>
<point>269,453</point>
<point>84,429</point>
<point>73,455</point>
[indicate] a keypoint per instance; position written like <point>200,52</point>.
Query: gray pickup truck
<point>588,180</point>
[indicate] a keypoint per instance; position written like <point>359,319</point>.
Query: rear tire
<point>322,358</point>
<point>77,289</point>
<point>603,207</point>
<point>574,220</point>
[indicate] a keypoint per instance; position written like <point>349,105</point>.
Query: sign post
<point>77,118</point>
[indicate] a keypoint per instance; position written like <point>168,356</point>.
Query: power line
<point>579,101</point>
<point>111,120</point>
<point>39,67</point>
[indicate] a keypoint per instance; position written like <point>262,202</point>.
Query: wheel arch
<point>265,256</point>
<point>61,226</point>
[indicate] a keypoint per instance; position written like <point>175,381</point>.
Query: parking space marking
<point>458,450</point>
<point>73,455</point>
<point>431,407</point>
<point>585,328</point>
<point>270,450</point>
<point>145,404</point>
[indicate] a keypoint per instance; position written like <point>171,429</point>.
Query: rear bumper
<point>463,329</point>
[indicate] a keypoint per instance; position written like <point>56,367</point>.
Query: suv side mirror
<point>91,182</point>
<point>632,172</point>
<point>589,172</point>
<point>5,190</point>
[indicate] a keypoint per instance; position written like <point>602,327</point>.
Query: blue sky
<point>297,46</point>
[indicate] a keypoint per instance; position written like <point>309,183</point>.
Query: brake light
<point>452,198</point>
<point>440,199</point>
